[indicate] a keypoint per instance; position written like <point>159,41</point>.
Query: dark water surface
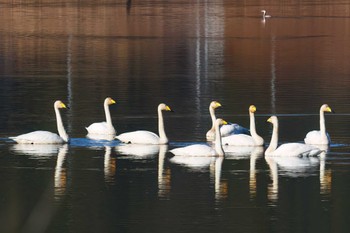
<point>185,54</point>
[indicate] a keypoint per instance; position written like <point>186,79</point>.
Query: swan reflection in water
<point>199,163</point>
<point>164,174</point>
<point>247,152</point>
<point>137,151</point>
<point>297,167</point>
<point>110,165</point>
<point>144,151</point>
<point>36,150</point>
<point>60,172</point>
<point>43,151</point>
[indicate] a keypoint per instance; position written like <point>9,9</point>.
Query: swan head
<point>164,107</point>
<point>220,122</point>
<point>252,109</point>
<point>263,11</point>
<point>109,101</point>
<point>326,108</point>
<point>59,104</point>
<point>214,104</point>
<point>273,120</point>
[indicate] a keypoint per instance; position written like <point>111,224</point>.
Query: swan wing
<point>238,140</point>
<point>296,149</point>
<point>139,137</point>
<point>194,150</point>
<point>100,128</point>
<point>232,128</point>
<point>39,137</point>
<point>315,137</point>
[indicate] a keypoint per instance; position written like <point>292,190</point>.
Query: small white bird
<point>46,137</point>
<point>264,15</point>
<point>288,149</point>
<point>103,130</point>
<point>320,137</point>
<point>147,137</point>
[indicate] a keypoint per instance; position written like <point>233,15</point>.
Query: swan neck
<point>213,117</point>
<point>218,143</point>
<point>274,139</point>
<point>259,141</point>
<point>252,124</point>
<point>61,131</point>
<point>162,136</point>
<point>108,115</point>
<point>322,123</point>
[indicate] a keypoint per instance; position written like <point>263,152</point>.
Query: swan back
<point>39,137</point>
<point>139,137</point>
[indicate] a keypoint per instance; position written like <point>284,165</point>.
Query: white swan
<point>204,150</point>
<point>288,149</point>
<point>225,130</point>
<point>319,137</point>
<point>45,137</point>
<point>96,130</point>
<point>243,139</point>
<point>147,137</point>
<point>264,15</point>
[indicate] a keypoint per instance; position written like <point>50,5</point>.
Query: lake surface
<point>185,54</point>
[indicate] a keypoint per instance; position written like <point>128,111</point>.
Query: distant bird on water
<point>264,15</point>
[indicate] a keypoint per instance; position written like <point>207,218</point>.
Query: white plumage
<point>288,149</point>
<point>243,139</point>
<point>103,130</point>
<point>46,137</point>
<point>319,137</point>
<point>264,15</point>
<point>204,150</point>
<point>225,130</point>
<point>147,137</point>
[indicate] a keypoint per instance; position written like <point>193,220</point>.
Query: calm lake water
<point>185,54</point>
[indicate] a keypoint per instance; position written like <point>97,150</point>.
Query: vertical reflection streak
<point>272,192</point>
<point>198,58</point>
<point>164,175</point>
<point>69,80</point>
<point>273,74</point>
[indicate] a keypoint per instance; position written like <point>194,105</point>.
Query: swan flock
<point>221,133</point>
